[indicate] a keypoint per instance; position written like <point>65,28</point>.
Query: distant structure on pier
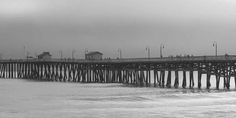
<point>45,55</point>
<point>93,55</point>
<point>30,57</point>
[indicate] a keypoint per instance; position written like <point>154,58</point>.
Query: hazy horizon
<point>183,26</point>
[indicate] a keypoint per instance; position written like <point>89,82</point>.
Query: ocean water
<point>32,99</point>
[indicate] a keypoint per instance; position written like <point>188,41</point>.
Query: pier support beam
<point>191,80</point>
<point>168,83</point>
<point>217,81</point>
<point>199,79</point>
<point>155,77</point>
<point>235,81</point>
<point>184,79</point>
<point>176,85</point>
<point>162,79</point>
<point>208,83</point>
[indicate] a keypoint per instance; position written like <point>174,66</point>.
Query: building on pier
<point>45,55</point>
<point>93,55</point>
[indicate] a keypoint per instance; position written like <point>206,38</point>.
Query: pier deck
<point>135,71</point>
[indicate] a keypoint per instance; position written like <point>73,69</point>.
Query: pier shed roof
<point>93,53</point>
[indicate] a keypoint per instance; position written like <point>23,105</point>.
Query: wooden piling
<point>184,79</point>
<point>208,83</point>
<point>191,80</point>
<point>168,83</point>
<point>176,84</point>
<point>217,81</point>
<point>155,77</point>
<point>162,79</point>
<point>199,79</point>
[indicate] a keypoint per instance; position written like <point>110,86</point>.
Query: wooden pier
<point>157,72</point>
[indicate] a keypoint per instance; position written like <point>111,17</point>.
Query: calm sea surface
<point>31,99</point>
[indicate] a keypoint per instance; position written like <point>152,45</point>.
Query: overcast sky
<point>183,26</point>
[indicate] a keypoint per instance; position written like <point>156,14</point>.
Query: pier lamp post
<point>73,52</point>
<point>85,52</point>
<point>25,52</point>
<point>148,51</point>
<point>120,53</point>
<point>161,48</point>
<point>215,45</point>
<point>60,53</point>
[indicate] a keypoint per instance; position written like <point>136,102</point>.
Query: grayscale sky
<point>183,26</point>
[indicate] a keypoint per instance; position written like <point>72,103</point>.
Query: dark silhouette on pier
<point>134,71</point>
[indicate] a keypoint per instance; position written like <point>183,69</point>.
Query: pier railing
<point>130,60</point>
